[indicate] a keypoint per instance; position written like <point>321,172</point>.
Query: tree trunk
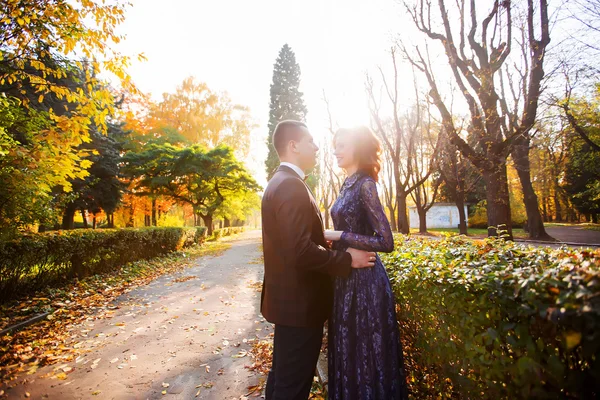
<point>422,220</point>
<point>462,216</point>
<point>535,223</point>
<point>84,217</point>
<point>208,222</point>
<point>403,225</point>
<point>93,221</point>
<point>130,222</point>
<point>154,221</point>
<point>110,220</point>
<point>557,206</point>
<point>69,214</point>
<point>227,223</point>
<point>498,202</point>
<point>393,222</point>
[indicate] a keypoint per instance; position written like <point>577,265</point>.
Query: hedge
<point>222,232</point>
<point>34,261</point>
<point>497,320</point>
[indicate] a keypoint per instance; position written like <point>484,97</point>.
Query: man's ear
<point>293,146</point>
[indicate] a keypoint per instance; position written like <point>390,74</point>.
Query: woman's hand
<point>333,236</point>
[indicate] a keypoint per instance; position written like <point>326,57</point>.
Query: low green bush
<point>222,232</point>
<point>34,261</point>
<point>497,320</point>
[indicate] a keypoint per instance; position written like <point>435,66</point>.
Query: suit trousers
<point>295,354</point>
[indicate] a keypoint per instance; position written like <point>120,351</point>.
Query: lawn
<point>517,232</point>
<point>586,225</point>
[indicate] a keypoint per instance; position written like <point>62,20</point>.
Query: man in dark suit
<point>297,289</point>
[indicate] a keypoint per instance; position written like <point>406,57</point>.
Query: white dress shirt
<point>295,168</point>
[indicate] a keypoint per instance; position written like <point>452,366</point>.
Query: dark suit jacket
<point>297,288</point>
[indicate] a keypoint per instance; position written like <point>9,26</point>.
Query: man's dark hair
<point>284,132</point>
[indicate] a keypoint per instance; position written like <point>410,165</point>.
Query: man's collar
<point>294,168</point>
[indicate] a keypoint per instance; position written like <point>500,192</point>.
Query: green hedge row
<point>496,320</point>
<point>34,261</point>
<point>222,232</point>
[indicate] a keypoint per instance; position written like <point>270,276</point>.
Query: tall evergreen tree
<point>286,99</point>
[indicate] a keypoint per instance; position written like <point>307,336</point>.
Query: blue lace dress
<point>364,351</point>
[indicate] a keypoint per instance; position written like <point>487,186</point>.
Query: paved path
<point>574,234</point>
<point>182,329</point>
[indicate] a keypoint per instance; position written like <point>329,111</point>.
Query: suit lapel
<point>310,194</point>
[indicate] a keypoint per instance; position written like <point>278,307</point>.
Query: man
<point>297,291</point>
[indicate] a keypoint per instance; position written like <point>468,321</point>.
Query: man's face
<point>306,150</point>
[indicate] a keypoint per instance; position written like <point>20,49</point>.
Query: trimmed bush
<point>201,234</point>
<point>222,232</point>
<point>34,261</point>
<point>496,320</point>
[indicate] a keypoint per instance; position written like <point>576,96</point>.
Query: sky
<point>232,46</point>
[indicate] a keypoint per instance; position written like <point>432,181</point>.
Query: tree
<point>582,169</point>
<point>460,178</point>
<point>101,189</point>
<point>52,99</point>
<point>425,160</point>
<point>286,100</point>
<point>203,117</point>
<point>583,116</point>
<point>399,137</point>
<point>329,179</point>
<point>476,63</point>
<point>204,179</point>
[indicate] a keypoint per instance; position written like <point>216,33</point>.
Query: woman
<point>365,355</point>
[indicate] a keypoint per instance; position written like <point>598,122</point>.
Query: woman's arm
<point>382,240</point>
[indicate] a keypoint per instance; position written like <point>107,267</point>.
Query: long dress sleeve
<point>382,240</point>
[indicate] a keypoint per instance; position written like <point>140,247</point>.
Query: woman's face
<point>344,151</point>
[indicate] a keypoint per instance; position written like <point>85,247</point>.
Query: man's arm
<point>294,215</point>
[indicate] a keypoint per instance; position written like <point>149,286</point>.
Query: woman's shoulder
<point>367,182</point>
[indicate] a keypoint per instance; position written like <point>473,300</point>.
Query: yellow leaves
<point>62,376</point>
<point>572,339</point>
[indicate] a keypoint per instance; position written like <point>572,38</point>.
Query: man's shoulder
<point>284,184</point>
<point>284,178</point>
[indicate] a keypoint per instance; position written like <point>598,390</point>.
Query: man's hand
<point>361,258</point>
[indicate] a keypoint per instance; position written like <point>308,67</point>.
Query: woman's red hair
<point>367,149</point>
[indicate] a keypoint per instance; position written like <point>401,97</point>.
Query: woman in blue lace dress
<point>364,350</point>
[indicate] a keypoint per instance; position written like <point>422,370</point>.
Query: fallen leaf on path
<point>242,353</point>
<point>185,278</point>
<point>62,376</point>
